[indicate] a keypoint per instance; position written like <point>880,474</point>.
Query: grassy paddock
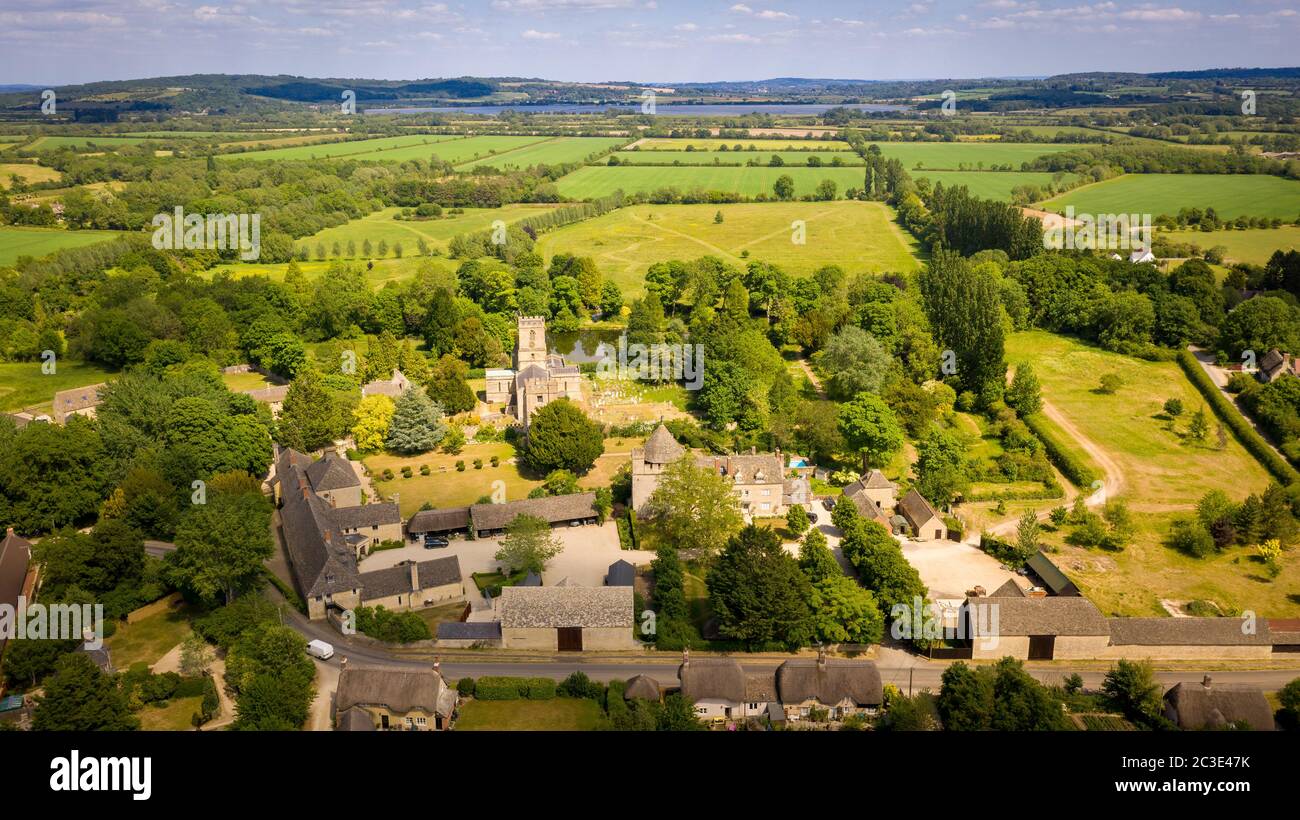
<point>1231,195</point>
<point>1252,246</point>
<point>558,715</point>
<point>22,384</point>
<point>381,225</point>
<point>18,241</point>
<point>990,184</point>
<point>955,155</point>
<point>599,181</point>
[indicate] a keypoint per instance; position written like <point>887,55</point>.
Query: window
<point>408,722</point>
<point>753,706</point>
<point>767,492</point>
<point>421,722</point>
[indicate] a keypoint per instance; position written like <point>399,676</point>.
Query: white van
<point>320,649</point>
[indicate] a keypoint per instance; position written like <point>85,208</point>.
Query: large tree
<point>854,362</point>
<point>221,545</point>
<point>964,304</point>
<point>870,428</point>
<point>417,424</point>
<point>528,545</point>
<point>561,437</point>
<point>758,593</point>
<point>941,467</point>
<point>845,612</point>
<point>372,418</point>
<point>52,475</point>
<point>693,507</point>
<point>78,697</point>
<point>447,385</point>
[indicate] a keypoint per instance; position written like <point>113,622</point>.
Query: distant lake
<point>666,109</point>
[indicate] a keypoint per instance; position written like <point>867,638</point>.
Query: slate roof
<point>641,686</point>
<point>830,681</point>
<point>332,472</point>
<point>621,574</point>
<point>366,515</point>
<point>15,553</point>
<point>916,509</point>
<point>874,480</point>
<point>553,509</point>
<point>445,520</point>
<point>1051,575</point>
<point>76,398</point>
<point>382,583</point>
<point>1186,632</point>
<point>1009,589</point>
<point>566,606</point>
<point>469,631</point>
<point>661,447</point>
<point>1053,615</point>
<point>399,688</point>
<point>866,507</point>
<point>323,562</point>
<point>748,468</point>
<point>712,679</point>
<point>1197,706</point>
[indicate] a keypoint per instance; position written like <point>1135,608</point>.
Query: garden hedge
<point>505,688</point>
<point>1079,474</point>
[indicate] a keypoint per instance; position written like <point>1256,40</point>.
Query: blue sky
<point>663,41</point>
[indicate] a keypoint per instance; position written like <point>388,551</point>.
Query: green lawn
<point>148,639</point>
<point>859,236</point>
<point>954,156</point>
<point>381,225</point>
<point>346,149</point>
<point>1231,195</point>
<point>174,717</point>
<point>239,382</point>
<point>558,715</point>
<point>1253,246</point>
<point>990,184</point>
<point>795,158</point>
<point>16,242</point>
<point>554,151</point>
<point>22,384</point>
<point>598,181</point>
<point>760,144</point>
<point>384,271</point>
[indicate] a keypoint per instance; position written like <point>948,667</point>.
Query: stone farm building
<point>567,618</point>
<point>392,698</point>
<point>759,479</point>
<point>324,540</point>
<point>538,377</point>
<point>77,401</point>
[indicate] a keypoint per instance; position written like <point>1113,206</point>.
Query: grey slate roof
<point>381,583</point>
<point>1196,706</point>
<point>1187,632</point>
<point>1009,589</point>
<point>366,515</point>
<point>1053,615</point>
<point>445,520</point>
<point>323,562</point>
<point>397,687</point>
<point>469,631</point>
<point>566,606</point>
<point>641,686</point>
<point>712,679</point>
<point>76,398</point>
<point>866,507</point>
<point>874,480</point>
<point>554,509</point>
<point>915,508</point>
<point>830,682</point>
<point>332,472</point>
<point>621,574</point>
<point>1052,575</point>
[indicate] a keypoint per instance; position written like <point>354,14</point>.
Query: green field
<point>51,143</point>
<point>558,715</point>
<point>383,272</point>
<point>859,236</point>
<point>554,151</point>
<point>380,225</point>
<point>345,149</point>
<point>989,184</point>
<point>598,181</point>
<point>1231,195</point>
<point>1253,246</point>
<point>16,242</point>
<point>734,157</point>
<point>952,156</point>
<point>22,384</point>
<point>746,144</point>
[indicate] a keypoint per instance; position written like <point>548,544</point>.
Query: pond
<point>583,346</point>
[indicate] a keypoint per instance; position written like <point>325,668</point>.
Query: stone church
<point>538,377</point>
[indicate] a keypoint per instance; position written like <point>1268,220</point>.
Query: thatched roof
<point>355,719</point>
<point>1187,632</point>
<point>399,688</point>
<point>1053,615</point>
<point>1215,706</point>
<point>661,447</point>
<point>712,679</point>
<point>641,686</point>
<point>566,606</point>
<point>830,681</point>
<point>553,509</point>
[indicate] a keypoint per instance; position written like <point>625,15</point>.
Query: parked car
<point>812,518</point>
<point>434,542</point>
<point>828,503</point>
<point>320,649</point>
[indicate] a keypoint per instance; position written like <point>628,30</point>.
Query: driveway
<point>949,568</point>
<point>588,552</point>
<point>327,682</point>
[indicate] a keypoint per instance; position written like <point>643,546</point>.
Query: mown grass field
<point>351,148</point>
<point>383,272</point>
<point>108,143</point>
<point>22,384</point>
<point>989,184</point>
<point>380,225</point>
<point>28,172</point>
<point>795,158</point>
<point>1231,195</point>
<point>148,639</point>
<point>746,144</point>
<point>858,236</point>
<point>954,156</point>
<point>20,241</point>
<point>598,181</point>
<point>558,715</point>
<point>1253,246</point>
<point>554,151</point>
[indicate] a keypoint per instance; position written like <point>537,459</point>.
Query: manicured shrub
<point>460,466</point>
<point>424,469</point>
<point>497,688</point>
<point>465,687</point>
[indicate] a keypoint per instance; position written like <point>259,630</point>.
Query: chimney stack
<point>343,663</point>
<point>821,659</point>
<point>437,664</point>
<point>1205,681</point>
<point>686,656</point>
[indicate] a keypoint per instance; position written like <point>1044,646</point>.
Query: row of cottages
<point>720,690</point>
<point>760,479</point>
<point>876,499</point>
<point>325,534</point>
<point>487,520</point>
<point>392,698</point>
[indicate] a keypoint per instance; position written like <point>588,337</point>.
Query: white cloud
<point>734,38</point>
<point>685,27</point>
<point>1165,15</point>
<point>534,34</point>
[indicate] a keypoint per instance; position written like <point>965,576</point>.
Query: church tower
<point>530,347</point>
